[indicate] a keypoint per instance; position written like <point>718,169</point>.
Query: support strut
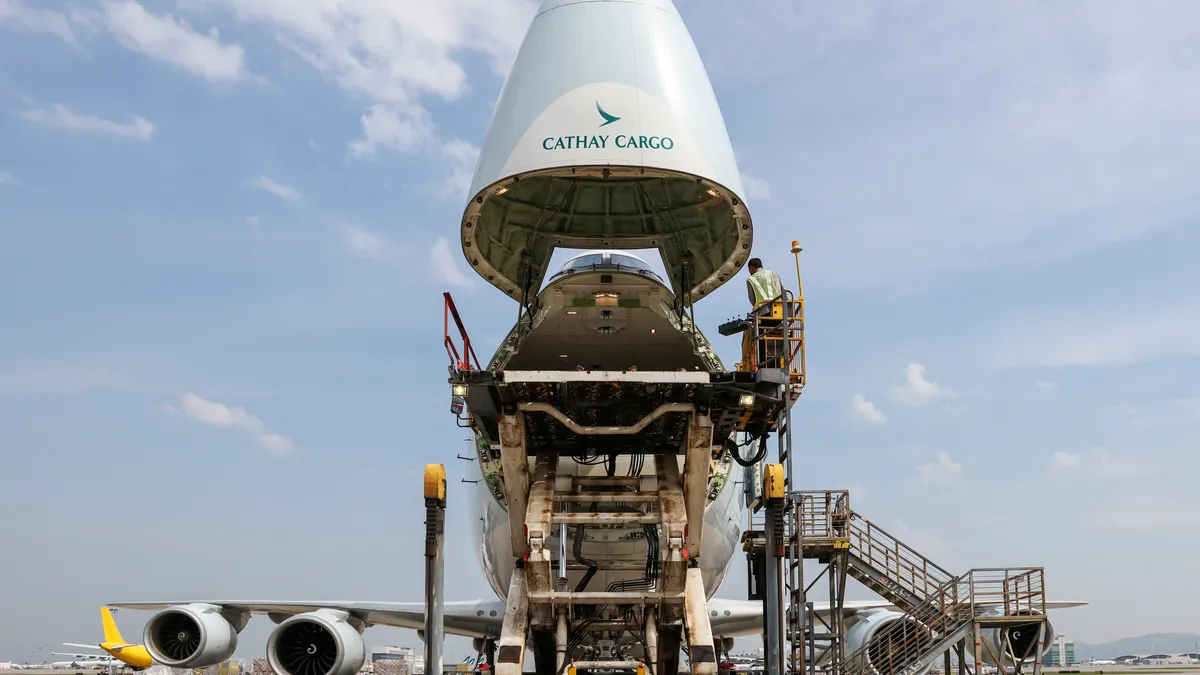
<point>774,494</point>
<point>510,657</point>
<point>435,530</point>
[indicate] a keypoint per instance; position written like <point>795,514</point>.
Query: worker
<point>762,285</point>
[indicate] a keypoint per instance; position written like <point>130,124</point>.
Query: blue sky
<point>225,228</point>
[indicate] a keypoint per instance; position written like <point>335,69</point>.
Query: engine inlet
<point>306,648</point>
<point>176,636</point>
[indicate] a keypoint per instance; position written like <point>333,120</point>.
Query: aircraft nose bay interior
<point>611,306</point>
<point>612,338</point>
<point>618,260</point>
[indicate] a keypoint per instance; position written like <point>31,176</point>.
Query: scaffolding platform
<point>940,611</point>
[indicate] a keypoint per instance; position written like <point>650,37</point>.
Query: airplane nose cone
<point>607,135</point>
<point>665,5</point>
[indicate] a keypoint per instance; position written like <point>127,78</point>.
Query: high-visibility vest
<point>764,283</point>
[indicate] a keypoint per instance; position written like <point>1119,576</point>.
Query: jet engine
<point>892,640</point>
<point>191,636</point>
<point>1016,644</point>
<point>324,642</point>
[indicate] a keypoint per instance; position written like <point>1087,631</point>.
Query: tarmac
<point>1082,669</point>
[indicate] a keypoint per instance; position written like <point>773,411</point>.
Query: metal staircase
<point>880,561</point>
<point>981,598</point>
<point>939,608</point>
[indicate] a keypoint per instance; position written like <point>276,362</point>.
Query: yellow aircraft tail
<point>111,634</point>
<point>135,655</point>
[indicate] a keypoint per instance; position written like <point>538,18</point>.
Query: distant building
<point>415,661</point>
<point>1061,652</point>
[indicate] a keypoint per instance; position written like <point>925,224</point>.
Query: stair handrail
<point>459,361</point>
<point>1020,592</point>
<point>935,613</point>
<point>899,561</point>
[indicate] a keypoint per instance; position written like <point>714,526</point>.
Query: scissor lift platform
<point>621,411</point>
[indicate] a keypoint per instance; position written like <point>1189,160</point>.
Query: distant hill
<point>1168,643</point>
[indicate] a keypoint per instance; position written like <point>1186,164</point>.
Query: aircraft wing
<point>471,618</point>
<point>484,618</point>
<point>480,618</point>
<point>73,644</point>
<point>732,618</point>
<point>1063,604</point>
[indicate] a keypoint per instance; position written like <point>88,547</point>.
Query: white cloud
<point>445,264</point>
<point>917,390</point>
<point>1066,460</point>
<point>278,189</point>
<point>756,188</point>
<point>1190,406</point>
<point>395,53</point>
<point>1178,415</point>
<point>1142,335</point>
<point>231,417</point>
<point>61,116</point>
<point>462,157</point>
<point>1059,107</point>
<point>364,244</point>
<point>1141,509</point>
<point>60,379</point>
<point>866,410</point>
<point>218,414</point>
<point>400,128</point>
<point>162,37</point>
<point>942,470</point>
<point>277,443</point>
<point>15,13</point>
<point>928,544</point>
<point>1102,465</point>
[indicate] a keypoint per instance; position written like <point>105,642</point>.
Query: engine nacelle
<point>1016,644</point>
<point>893,640</point>
<point>190,636</point>
<point>324,642</point>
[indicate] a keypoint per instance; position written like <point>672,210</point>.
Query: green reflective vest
<point>766,286</point>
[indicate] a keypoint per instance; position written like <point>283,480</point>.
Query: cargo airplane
<point>132,655</point>
<point>82,660</point>
<point>607,138</point>
<point>323,637</point>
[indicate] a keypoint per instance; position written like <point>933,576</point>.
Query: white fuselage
<point>89,662</point>
<point>566,334</point>
<point>722,530</point>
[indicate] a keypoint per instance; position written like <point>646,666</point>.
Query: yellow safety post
<point>435,529</point>
<point>775,498</point>
<point>435,482</point>
<point>774,485</point>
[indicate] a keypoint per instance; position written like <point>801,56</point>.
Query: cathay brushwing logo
<point>601,141</point>
<point>608,119</point>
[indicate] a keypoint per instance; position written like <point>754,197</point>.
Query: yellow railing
<point>775,329</point>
